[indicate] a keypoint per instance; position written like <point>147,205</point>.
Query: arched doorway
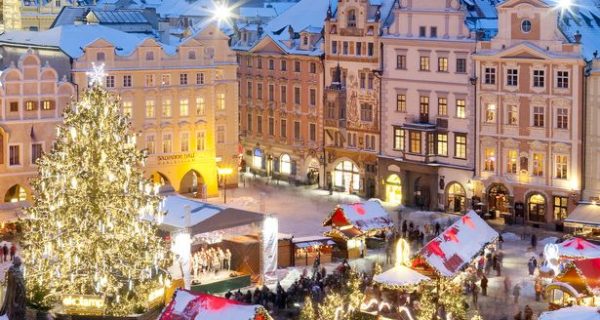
<point>312,172</point>
<point>285,164</point>
<point>455,197</point>
<point>160,179</point>
<point>536,207</point>
<point>258,159</point>
<point>498,197</point>
<point>16,193</point>
<point>393,189</point>
<point>346,177</point>
<point>193,183</point>
<point>421,194</point>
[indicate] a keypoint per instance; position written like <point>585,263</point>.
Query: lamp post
<point>224,173</point>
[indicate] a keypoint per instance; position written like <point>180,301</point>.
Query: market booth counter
<point>307,249</point>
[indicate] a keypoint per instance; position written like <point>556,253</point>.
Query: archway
<point>312,171</point>
<point>498,197</point>
<point>16,193</point>
<point>455,197</point>
<point>285,164</point>
<point>346,176</point>
<point>536,207</point>
<point>193,183</point>
<point>393,189</point>
<point>258,160</point>
<point>160,179</point>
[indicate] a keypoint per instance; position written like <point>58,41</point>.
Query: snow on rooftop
<point>176,206</point>
<point>572,313</point>
<point>301,15</point>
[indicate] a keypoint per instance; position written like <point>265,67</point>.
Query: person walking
<point>474,294</point>
<point>484,285</point>
<point>437,228</point>
<point>507,285</point>
<point>533,241</point>
<point>5,252</point>
<point>13,251</point>
<point>538,289</point>
<point>528,313</point>
<point>516,293</point>
<point>404,228</point>
<point>530,266</point>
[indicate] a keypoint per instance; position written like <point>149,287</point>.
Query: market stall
<point>577,248</point>
<point>572,313</point>
<point>308,249</point>
<point>187,305</point>
<point>10,213</point>
<point>585,220</point>
<point>456,247</point>
<point>218,248</point>
<point>577,284</point>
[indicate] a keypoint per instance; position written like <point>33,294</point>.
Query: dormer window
<point>333,29</point>
<point>100,56</point>
<point>305,40</point>
<point>351,19</point>
<point>149,56</point>
<point>526,26</point>
<point>192,55</point>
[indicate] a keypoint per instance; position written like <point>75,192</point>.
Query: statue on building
<point>14,301</point>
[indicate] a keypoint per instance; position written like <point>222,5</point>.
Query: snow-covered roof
<point>365,216</point>
<point>578,248</point>
<point>572,313</point>
<point>400,276</point>
<point>458,245</point>
<point>584,18</point>
<point>200,306</point>
<point>181,8</point>
<point>585,214</point>
<point>301,15</point>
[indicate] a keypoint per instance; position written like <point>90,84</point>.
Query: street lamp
<point>224,173</point>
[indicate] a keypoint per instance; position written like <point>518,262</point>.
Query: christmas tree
<point>354,295</point>
<point>88,232</point>
<point>308,310</point>
<point>331,308</point>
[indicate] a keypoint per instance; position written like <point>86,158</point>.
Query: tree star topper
<point>97,74</point>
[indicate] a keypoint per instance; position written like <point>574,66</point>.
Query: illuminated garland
<point>84,233</point>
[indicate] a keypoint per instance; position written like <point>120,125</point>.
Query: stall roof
<point>578,312</point>
<point>204,217</point>
<point>589,270</point>
<point>366,216</point>
<point>196,306</point>
<point>578,248</point>
<point>400,276</point>
<point>585,214</point>
<point>458,245</point>
<point>305,242</point>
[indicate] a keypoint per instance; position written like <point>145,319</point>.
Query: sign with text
<point>83,304</point>
<point>177,158</point>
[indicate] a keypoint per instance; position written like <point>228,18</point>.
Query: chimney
<point>577,37</point>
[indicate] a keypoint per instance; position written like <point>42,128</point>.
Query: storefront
<point>258,159</point>
<point>346,177</point>
<point>456,198</point>
<point>393,189</point>
<point>536,207</point>
<point>498,198</point>
<point>585,220</point>
<point>308,249</point>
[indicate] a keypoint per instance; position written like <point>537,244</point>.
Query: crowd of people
<point>208,260</point>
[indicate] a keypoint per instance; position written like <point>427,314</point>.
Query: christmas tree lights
<point>88,232</point>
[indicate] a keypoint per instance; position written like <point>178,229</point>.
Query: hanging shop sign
<point>83,304</point>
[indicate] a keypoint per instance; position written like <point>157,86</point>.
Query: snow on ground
<point>547,240</point>
<point>509,236</point>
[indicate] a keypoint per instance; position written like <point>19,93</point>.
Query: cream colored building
<point>29,15</point>
<point>32,99</point>
<point>592,134</point>
<point>529,114</point>
<point>427,157</point>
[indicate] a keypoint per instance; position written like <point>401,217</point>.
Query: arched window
<point>537,207</point>
<point>257,158</point>
<point>15,194</point>
<point>333,29</point>
<point>285,164</point>
<point>346,176</point>
<point>351,18</point>
<point>393,189</point>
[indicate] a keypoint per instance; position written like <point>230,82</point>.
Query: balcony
<point>423,117</point>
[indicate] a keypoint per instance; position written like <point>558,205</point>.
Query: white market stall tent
<point>577,248</point>
<point>572,313</point>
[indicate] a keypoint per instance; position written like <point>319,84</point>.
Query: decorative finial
<point>97,74</point>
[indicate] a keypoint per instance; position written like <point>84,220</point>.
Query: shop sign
<point>83,304</point>
<point>177,158</point>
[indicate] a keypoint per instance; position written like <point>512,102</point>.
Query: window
<point>166,143</point>
<point>14,155</point>
<point>149,55</point>
<point>183,79</point>
<point>185,142</point>
<point>526,26</point>
<point>259,63</point>
<point>442,106</point>
<point>271,64</point>
<point>334,45</point>
<point>14,106</point>
<point>369,142</point>
<point>490,113</point>
<point>424,105</point>
<point>370,49</point>
<point>538,78</point>
<point>313,67</point>
<point>47,105</point>
<point>461,65</point>
<point>513,115</point>
<point>296,95</point>
<point>362,81</point>
<point>150,145</point>
<point>442,144</point>
<point>511,163</point>
<point>366,112</point>
<point>460,146</point>
<point>165,80</point>
<point>415,141</point>
<point>184,108</point>
<point>512,77</point>
<point>284,65</point>
<point>422,31</point>
<point>149,109</point>
<point>110,81</point>
<point>561,163</point>
<point>538,117</point>
<point>271,92</point>
<point>283,128</point>
<point>313,97</point>
<point>127,108</point>
<point>489,159</point>
<point>36,152</point>
<point>562,79</point>
<point>351,19</point>
<point>285,166</point>
<point>149,80</point>
<point>271,128</point>
<point>200,78</point>
<point>100,56</point>
<point>538,164</point>
<point>200,141</point>
<point>424,63</point>
<point>283,96</point>
<point>249,61</point>
<point>401,62</point>
<point>200,106</point>
<point>312,132</point>
<point>433,32</point>
<point>430,143</point>
<point>127,81</point>
<point>249,90</point>
<point>191,55</point>
<point>401,102</point>
<point>442,64</point>
<point>166,108</point>
<point>561,205</point>
<point>370,78</point>
<point>30,105</point>
<point>562,118</point>
<point>220,134</point>
<point>220,101</point>
<point>259,91</point>
<point>359,48</point>
<point>259,122</point>
<point>398,139</point>
<point>249,122</point>
<point>297,130</point>
<point>489,76</point>
<point>296,66</point>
